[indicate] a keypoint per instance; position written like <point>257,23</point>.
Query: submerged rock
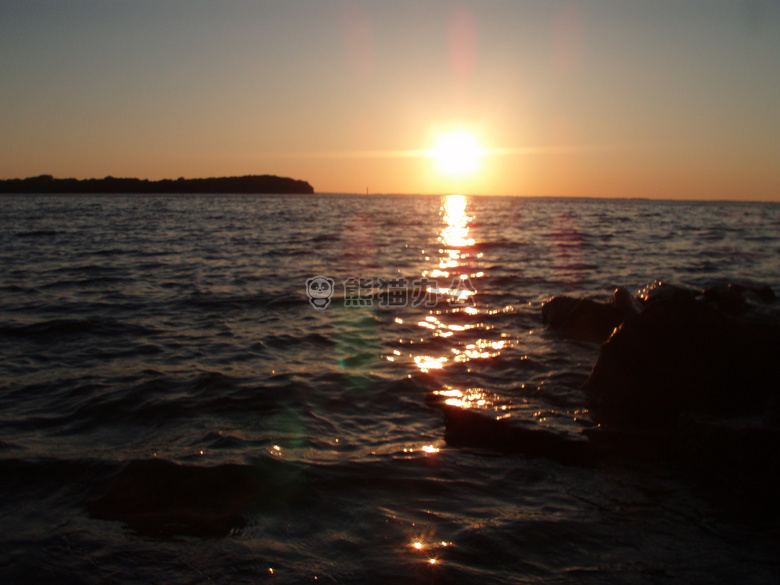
<point>163,499</point>
<point>466,427</point>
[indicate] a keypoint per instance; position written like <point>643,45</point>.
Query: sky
<point>660,99</point>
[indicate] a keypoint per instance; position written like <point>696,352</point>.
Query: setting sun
<point>457,153</point>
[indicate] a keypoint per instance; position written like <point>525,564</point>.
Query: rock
<point>587,319</point>
<point>685,355</point>
<point>581,318</point>
<point>726,299</point>
<point>672,350</point>
<point>684,376</point>
<point>760,293</point>
<point>662,291</point>
<point>731,456</point>
<point>736,299</point>
<point>626,305</point>
<point>466,427</point>
<point>164,499</point>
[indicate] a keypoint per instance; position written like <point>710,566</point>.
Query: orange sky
<point>603,99</point>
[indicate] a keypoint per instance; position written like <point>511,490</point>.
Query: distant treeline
<point>246,184</point>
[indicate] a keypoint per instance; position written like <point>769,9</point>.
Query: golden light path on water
<point>458,322</point>
<point>456,314</point>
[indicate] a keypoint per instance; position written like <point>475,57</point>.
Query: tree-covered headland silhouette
<point>257,184</point>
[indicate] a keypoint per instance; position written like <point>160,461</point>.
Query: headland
<point>255,184</point>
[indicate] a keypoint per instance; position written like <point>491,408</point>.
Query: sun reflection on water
<point>426,362</point>
<point>429,551</point>
<point>482,348</point>
<point>457,330</point>
<point>456,232</point>
<point>471,398</point>
<point>453,287</point>
<point>455,240</point>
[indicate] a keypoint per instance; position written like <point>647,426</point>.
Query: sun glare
<point>457,153</point>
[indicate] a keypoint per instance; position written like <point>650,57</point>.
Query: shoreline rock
<point>687,377</point>
<point>465,427</point>
<point>710,354</point>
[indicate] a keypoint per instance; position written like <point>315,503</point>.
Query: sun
<point>457,153</point>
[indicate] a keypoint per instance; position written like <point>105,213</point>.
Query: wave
<point>259,300</point>
<point>39,233</point>
<point>89,327</point>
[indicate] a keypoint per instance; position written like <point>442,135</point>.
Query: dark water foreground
<point>174,410</point>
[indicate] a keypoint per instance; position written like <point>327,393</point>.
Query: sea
<point>247,388</point>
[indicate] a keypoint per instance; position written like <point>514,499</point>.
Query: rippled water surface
<point>174,410</point>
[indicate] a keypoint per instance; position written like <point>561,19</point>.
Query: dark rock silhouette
<point>164,499</point>
<point>663,291</point>
<point>688,377</point>
<point>465,427</point>
<point>673,350</point>
<point>709,354</point>
<point>694,378</point>
<point>581,318</point>
<point>586,319</point>
<point>253,184</point>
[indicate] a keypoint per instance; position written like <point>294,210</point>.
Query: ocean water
<point>174,409</point>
